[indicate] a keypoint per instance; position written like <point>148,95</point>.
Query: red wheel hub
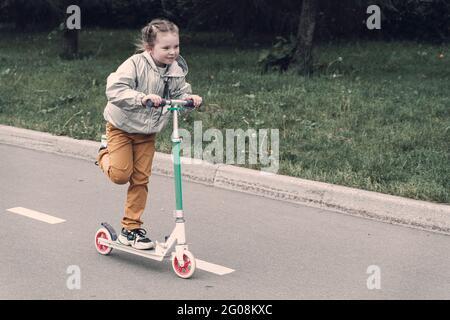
<point>100,246</point>
<point>185,268</point>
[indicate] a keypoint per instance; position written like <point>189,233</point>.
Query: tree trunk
<point>70,43</point>
<point>302,60</point>
<point>69,36</point>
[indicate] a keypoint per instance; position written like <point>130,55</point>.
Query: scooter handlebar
<point>185,103</point>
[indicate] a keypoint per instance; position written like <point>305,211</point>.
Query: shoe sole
<point>124,241</point>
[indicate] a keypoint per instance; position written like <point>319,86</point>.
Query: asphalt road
<point>278,250</point>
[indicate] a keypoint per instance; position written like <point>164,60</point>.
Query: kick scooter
<point>182,260</point>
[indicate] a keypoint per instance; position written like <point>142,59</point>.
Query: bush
<point>417,19</point>
<point>279,56</point>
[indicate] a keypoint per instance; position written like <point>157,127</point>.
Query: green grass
<point>379,120</point>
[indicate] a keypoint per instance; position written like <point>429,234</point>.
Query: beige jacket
<point>135,78</point>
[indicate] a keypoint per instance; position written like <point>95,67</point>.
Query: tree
<point>67,13</point>
<point>294,53</point>
<point>70,32</point>
<point>302,59</point>
<point>34,15</point>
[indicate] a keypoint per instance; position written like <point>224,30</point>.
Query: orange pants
<point>128,158</point>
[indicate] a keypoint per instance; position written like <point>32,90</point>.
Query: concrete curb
<point>397,210</point>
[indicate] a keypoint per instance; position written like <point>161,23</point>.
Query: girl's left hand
<point>197,100</point>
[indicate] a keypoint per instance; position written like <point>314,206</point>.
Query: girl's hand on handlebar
<point>197,100</point>
<point>154,98</point>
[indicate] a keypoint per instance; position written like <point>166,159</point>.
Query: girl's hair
<point>150,31</point>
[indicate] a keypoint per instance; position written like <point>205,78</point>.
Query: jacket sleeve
<point>121,87</point>
<point>181,89</point>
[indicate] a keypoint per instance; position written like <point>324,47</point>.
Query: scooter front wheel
<point>102,233</point>
<point>187,270</point>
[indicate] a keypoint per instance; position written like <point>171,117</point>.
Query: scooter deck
<point>150,254</point>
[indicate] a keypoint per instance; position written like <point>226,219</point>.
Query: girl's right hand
<point>154,98</point>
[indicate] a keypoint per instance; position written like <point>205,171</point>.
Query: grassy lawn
<point>377,120</point>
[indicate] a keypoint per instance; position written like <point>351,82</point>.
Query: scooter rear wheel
<point>187,270</point>
<point>102,233</point>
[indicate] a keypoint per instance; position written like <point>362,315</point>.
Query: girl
<point>156,71</point>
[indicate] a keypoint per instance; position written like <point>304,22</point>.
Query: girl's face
<point>166,48</point>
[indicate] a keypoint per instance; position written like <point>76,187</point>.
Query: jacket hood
<point>178,68</point>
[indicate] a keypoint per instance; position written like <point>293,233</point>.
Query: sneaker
<point>103,142</point>
<point>103,145</point>
<point>135,238</point>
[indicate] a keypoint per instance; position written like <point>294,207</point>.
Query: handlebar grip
<point>189,104</point>
<point>149,104</point>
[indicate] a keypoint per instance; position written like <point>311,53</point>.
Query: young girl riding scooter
<point>156,72</point>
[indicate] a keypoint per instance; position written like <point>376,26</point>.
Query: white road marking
<point>200,264</point>
<point>36,215</point>
<point>211,267</point>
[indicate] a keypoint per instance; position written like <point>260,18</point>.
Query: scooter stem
<point>176,164</point>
